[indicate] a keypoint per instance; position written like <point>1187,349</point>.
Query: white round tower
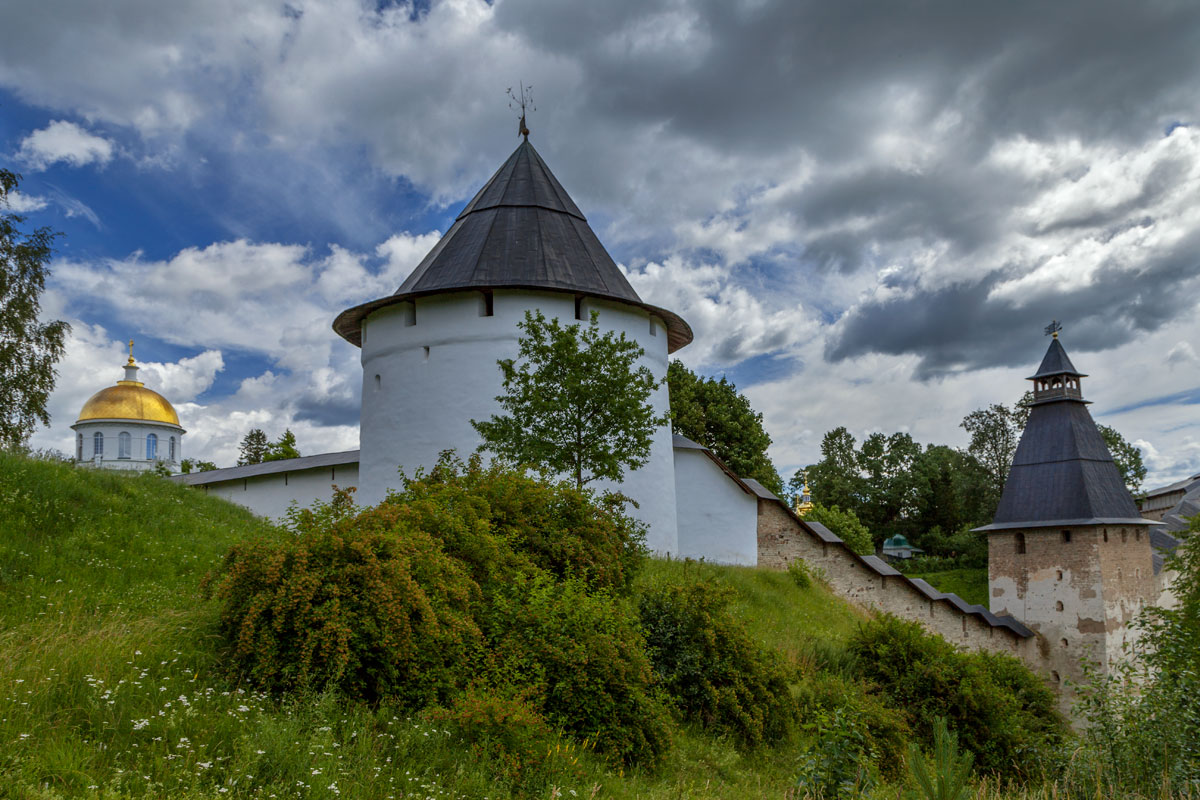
<point>128,426</point>
<point>430,351</point>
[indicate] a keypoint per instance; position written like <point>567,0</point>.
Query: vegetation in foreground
<point>117,679</point>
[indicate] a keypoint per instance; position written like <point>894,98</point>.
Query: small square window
<point>1066,536</point>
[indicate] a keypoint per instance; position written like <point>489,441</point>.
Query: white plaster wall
<point>270,495</point>
<point>718,520</point>
<point>137,432</point>
<point>423,383</point>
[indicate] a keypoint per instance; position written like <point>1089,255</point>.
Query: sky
<point>867,211</point>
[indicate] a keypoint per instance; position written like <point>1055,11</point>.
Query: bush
<point>364,604</point>
<point>581,653</point>
<point>1000,711</point>
<point>505,731</point>
<point>500,521</point>
<point>879,731</point>
<point>716,675</point>
<point>800,573</point>
<point>467,575</point>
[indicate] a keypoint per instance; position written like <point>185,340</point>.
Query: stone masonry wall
<point>782,538</point>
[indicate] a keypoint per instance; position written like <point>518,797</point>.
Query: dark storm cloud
<point>958,328</point>
<point>778,72</point>
<point>751,80</point>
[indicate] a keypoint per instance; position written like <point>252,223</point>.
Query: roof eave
<point>348,324</point>
<point>1058,523</point>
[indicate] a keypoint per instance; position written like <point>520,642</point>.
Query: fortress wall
<point>783,538</point>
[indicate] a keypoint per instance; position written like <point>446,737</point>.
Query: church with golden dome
<point>128,426</point>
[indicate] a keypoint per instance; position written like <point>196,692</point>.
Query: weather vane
<point>524,101</point>
<point>1053,328</point>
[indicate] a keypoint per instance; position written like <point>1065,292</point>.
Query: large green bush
<point>367,605</point>
<point>715,673</point>
<point>1000,711</point>
<point>467,575</point>
<point>499,521</point>
<point>582,654</point>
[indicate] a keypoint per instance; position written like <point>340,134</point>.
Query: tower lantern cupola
<point>1057,378</point>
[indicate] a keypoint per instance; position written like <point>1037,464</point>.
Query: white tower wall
<point>429,368</point>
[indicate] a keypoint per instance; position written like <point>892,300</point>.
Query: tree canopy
<point>254,447</point>
<point>894,485</point>
<point>576,402</point>
<point>284,447</point>
<point>995,432</point>
<point>713,413</point>
<point>28,348</point>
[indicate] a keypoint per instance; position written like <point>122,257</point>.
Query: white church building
<point>430,353</point>
<point>128,426</point>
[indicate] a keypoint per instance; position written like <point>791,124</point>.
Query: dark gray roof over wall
<point>1056,362</point>
<point>1062,473</point>
<point>268,468</point>
<point>521,231</point>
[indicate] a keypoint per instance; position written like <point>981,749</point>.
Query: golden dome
<point>129,400</point>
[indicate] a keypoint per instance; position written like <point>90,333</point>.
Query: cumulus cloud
<point>66,142</point>
<point>271,301</point>
<point>23,203</point>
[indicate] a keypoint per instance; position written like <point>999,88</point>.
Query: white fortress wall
<point>718,518</point>
<point>270,494</point>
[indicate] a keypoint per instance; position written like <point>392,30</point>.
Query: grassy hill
<point>111,683</point>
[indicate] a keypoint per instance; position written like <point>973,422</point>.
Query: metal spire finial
<point>1053,328</point>
<point>131,361</point>
<point>524,100</point>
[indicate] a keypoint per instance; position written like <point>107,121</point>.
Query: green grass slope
<point>111,683</point>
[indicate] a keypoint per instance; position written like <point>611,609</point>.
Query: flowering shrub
<point>364,604</point>
<point>467,575</point>
<point>715,673</point>
<point>499,520</point>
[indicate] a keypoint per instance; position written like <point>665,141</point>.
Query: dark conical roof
<point>521,230</point>
<point>1056,362</point>
<point>1062,473</point>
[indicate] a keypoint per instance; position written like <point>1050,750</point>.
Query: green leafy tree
<point>1128,458</point>
<point>995,432</point>
<point>193,465</point>
<point>254,448</point>
<point>713,413</point>
<point>953,493</point>
<point>28,348</point>
<point>836,479</point>
<point>889,501</point>
<point>577,402</point>
<point>283,448</point>
<point>844,525</point>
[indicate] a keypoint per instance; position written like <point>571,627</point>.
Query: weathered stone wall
<point>1078,587</point>
<point>782,538</point>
